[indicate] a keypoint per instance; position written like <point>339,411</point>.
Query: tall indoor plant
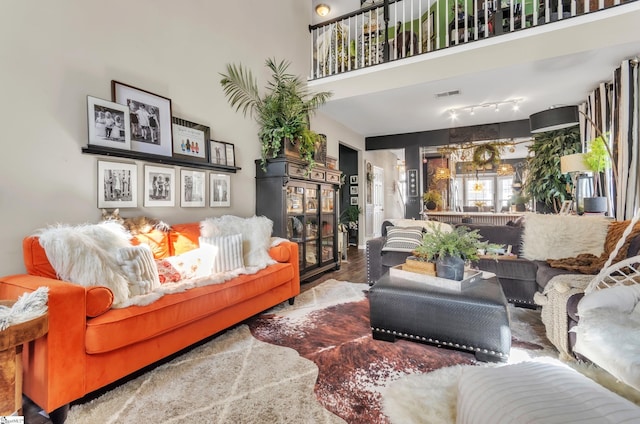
<point>546,183</point>
<point>282,112</point>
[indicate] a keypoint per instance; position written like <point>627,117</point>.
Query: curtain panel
<point>614,109</point>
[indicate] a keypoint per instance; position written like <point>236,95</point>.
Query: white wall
<point>54,54</point>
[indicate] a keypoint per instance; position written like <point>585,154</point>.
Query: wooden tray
<point>470,277</point>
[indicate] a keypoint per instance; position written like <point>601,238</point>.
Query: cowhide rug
<point>329,325</point>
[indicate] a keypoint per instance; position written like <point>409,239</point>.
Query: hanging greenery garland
<point>485,154</point>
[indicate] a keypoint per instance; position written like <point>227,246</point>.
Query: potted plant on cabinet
<point>282,112</point>
<point>450,249</point>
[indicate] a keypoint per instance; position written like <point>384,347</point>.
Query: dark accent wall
<point>348,164</point>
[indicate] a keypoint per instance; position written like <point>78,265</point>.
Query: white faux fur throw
<point>562,236</point>
<point>86,255</point>
<point>256,237</point>
<point>27,307</point>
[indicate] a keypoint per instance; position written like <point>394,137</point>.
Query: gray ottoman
<point>475,319</point>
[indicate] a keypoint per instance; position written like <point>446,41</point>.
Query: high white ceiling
<point>554,64</point>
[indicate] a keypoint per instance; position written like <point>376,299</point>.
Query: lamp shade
<point>322,10</point>
<point>554,119</point>
<point>573,163</point>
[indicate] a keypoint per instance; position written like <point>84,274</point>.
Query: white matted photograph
<point>354,200</point>
<point>193,190</point>
<point>117,185</point>
<point>159,186</point>
<point>353,179</point>
<point>353,190</point>
<point>220,190</point>
<point>218,153</point>
<point>108,124</point>
<point>149,117</point>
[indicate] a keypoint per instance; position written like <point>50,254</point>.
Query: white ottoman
<point>538,392</point>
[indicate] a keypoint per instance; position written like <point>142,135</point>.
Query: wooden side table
<point>11,341</point>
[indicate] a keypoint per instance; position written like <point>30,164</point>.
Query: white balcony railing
<point>391,30</point>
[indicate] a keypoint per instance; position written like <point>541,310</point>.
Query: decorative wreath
<point>486,154</point>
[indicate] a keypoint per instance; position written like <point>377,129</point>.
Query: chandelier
<point>505,169</point>
<point>442,174</point>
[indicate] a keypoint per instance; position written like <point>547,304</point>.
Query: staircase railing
<point>391,30</point>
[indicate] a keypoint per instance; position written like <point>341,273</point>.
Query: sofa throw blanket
<point>562,236</point>
<point>87,255</point>
<point>587,263</point>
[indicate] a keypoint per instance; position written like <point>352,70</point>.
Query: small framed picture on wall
<point>354,200</point>
<point>108,124</point>
<point>159,186</point>
<point>117,185</point>
<point>220,190</point>
<point>353,179</point>
<point>353,190</point>
<point>192,188</point>
<point>218,154</point>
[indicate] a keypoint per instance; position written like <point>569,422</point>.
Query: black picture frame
<point>230,153</point>
<point>217,152</point>
<point>156,137</point>
<point>186,135</point>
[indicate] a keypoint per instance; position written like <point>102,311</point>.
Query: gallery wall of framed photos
<point>138,124</point>
<point>162,186</point>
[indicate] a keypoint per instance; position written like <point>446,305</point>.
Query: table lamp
<point>582,183</point>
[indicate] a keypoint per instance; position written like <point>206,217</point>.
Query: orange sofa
<point>90,344</point>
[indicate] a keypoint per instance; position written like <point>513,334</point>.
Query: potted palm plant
<point>281,112</point>
<point>450,250</point>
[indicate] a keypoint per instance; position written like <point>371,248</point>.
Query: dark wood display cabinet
<point>301,205</point>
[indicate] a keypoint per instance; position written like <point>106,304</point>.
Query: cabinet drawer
<point>333,177</point>
<point>317,175</point>
<point>297,171</point>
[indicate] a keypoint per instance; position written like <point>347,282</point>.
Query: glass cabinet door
<point>328,195</point>
<point>311,200</point>
<point>295,199</point>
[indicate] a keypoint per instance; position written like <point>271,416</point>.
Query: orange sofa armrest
<point>53,365</point>
<point>287,252</point>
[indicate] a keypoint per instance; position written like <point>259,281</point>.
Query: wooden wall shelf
<point>128,154</point>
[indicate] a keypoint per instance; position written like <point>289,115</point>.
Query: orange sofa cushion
<point>35,259</point>
<point>99,300</point>
<point>184,237</point>
<point>280,253</point>
<point>158,241</point>
<point>118,328</point>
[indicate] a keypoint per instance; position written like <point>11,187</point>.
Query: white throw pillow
<point>228,252</point>
<point>139,267</point>
<point>620,298</point>
<point>256,236</point>
<point>194,263</point>
<point>562,236</point>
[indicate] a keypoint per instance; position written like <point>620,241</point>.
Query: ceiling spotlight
<point>322,10</point>
<point>472,112</point>
<point>497,107</point>
<point>453,114</point>
<point>516,106</point>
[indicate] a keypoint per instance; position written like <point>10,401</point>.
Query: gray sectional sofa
<point>520,278</point>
